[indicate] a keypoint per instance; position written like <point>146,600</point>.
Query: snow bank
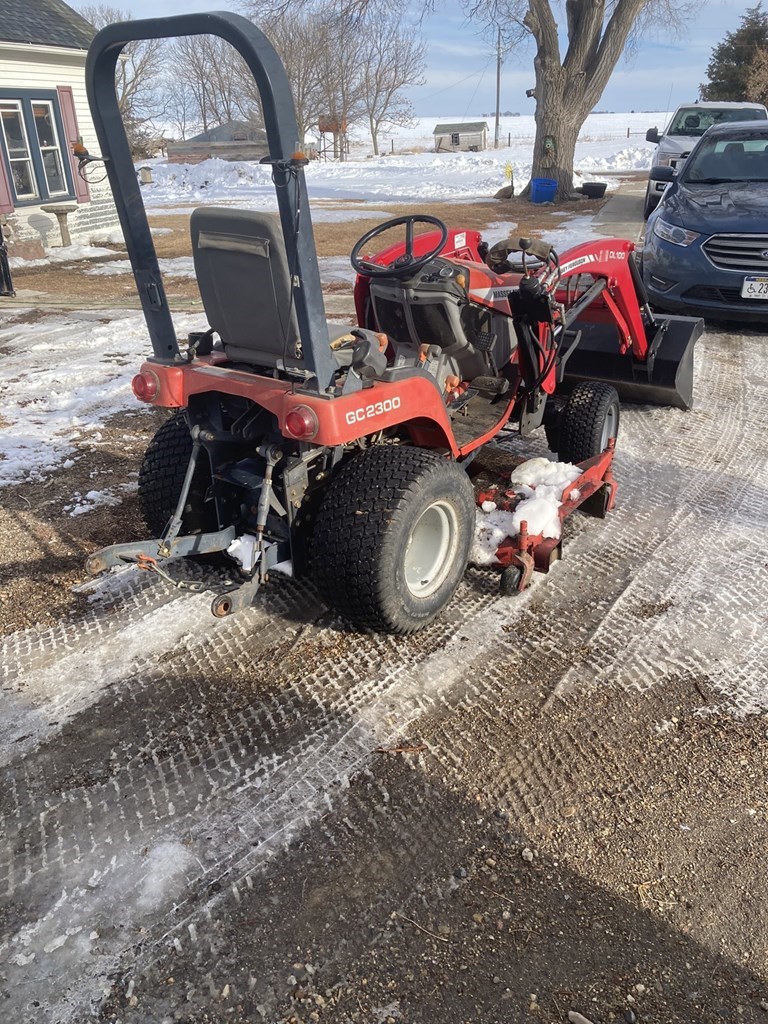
<point>62,254</point>
<point>418,175</point>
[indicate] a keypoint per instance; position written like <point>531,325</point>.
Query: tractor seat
<point>244,280</point>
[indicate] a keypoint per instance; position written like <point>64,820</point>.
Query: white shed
<point>43,110</point>
<point>465,135</point>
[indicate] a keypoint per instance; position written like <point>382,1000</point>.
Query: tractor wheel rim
<point>431,549</point>
<point>609,427</point>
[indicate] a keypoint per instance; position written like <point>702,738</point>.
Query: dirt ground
<point>537,807</point>
<point>45,548</point>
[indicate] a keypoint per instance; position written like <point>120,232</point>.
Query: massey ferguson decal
<point>599,257</point>
<point>578,262</point>
<point>486,295</point>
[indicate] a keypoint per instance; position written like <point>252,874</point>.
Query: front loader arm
<point>623,295</point>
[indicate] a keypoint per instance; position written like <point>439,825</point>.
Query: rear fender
<point>413,401</point>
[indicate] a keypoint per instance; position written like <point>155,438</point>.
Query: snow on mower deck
<point>520,516</point>
<point>348,455</point>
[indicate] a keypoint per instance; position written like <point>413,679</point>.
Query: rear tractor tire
<point>161,477</point>
<point>590,418</point>
<point>392,537</point>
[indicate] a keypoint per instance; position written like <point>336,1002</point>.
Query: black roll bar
<point>280,123</point>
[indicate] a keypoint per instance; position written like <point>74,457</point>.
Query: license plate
<point>754,288</point>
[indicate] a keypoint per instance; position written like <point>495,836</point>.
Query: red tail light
<point>302,423</point>
<point>146,386</point>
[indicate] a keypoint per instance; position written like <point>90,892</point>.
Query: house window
<point>31,139</point>
<point>50,148</point>
<point>17,148</point>
<point>455,139</point>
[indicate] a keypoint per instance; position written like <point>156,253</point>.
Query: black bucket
<point>665,379</point>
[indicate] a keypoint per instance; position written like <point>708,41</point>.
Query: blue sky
<point>461,72</point>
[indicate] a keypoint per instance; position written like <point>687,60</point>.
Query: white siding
<point>31,67</point>
<point>466,139</point>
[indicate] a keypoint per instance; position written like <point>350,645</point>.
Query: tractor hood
<point>732,207</point>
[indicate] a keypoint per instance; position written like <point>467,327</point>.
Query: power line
<point>460,81</point>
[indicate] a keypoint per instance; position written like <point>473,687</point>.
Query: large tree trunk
<point>559,119</point>
<point>566,91</point>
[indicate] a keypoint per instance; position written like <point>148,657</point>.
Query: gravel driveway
<point>545,804</point>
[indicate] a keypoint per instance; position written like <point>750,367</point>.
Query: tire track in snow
<point>91,839</point>
<point>714,534</point>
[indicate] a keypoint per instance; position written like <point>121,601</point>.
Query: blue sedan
<point>706,243</point>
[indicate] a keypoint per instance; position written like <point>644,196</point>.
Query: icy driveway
<point>168,777</point>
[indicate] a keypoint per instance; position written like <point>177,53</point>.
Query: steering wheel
<point>406,263</point>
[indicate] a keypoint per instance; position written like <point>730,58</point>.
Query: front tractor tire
<point>161,477</point>
<point>590,418</point>
<point>392,537</point>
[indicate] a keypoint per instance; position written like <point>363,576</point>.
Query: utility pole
<point>498,88</point>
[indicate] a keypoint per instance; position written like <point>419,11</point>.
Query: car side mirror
<point>652,135</point>
<point>662,174</point>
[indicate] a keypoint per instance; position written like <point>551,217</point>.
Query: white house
<point>464,135</point>
<point>43,110</point>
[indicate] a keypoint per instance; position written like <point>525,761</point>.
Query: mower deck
<point>594,491</point>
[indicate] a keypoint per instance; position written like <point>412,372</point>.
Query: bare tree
<point>218,83</point>
<point>180,107</point>
<point>568,88</point>
<point>338,57</point>
<point>187,62</point>
<point>392,58</point>
<point>136,75</point>
<point>294,36</point>
<point>324,51</point>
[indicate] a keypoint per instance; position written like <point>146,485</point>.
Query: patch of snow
<point>543,471</point>
<point>542,483</point>
<point>61,377</point>
<point>491,528</point>
<point>178,266</point>
<point>244,549</point>
<point>336,270</point>
<point>110,238</point>
<point>96,499</point>
<point>62,254</point>
<point>165,873</point>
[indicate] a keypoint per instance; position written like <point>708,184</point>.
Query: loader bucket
<point>666,378</point>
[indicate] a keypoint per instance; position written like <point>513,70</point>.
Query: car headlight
<point>674,234</point>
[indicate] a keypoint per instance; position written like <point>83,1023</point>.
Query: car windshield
<point>721,160</point>
<point>694,121</point>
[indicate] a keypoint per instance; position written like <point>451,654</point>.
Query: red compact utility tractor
<point>348,455</point>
